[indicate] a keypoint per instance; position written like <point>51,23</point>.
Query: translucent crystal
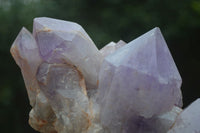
<point>26,54</point>
<point>138,80</point>
<point>62,41</point>
<point>157,124</point>
<point>165,121</point>
<point>111,47</point>
<point>42,117</point>
<point>64,86</point>
<point>75,88</point>
<point>188,120</point>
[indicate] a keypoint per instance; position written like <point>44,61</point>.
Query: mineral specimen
<point>123,88</point>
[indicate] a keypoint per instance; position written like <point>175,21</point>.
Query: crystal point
<point>111,47</point>
<point>139,82</point>
<point>26,54</point>
<point>63,41</point>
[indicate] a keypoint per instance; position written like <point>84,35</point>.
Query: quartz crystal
<point>164,122</point>
<point>62,41</point>
<point>188,120</point>
<point>111,47</point>
<point>146,69</point>
<point>65,89</point>
<point>139,79</point>
<point>25,52</point>
<point>123,88</point>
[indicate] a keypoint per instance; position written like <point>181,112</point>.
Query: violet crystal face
<point>123,88</point>
<point>62,41</point>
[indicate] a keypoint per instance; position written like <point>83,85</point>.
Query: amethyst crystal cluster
<point>123,88</point>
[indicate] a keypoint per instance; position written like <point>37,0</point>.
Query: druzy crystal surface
<point>122,88</point>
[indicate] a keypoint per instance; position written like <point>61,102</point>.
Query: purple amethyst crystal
<point>25,52</point>
<point>143,81</point>
<point>75,88</point>
<point>62,41</point>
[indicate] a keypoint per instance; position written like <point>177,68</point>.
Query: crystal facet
<point>139,79</point>
<point>65,89</point>
<point>111,47</point>
<point>188,120</point>
<point>75,88</point>
<point>26,54</point>
<point>63,41</point>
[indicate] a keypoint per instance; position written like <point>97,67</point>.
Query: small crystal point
<point>111,47</point>
<point>108,49</point>
<point>23,49</point>
<point>26,54</point>
<point>188,120</point>
<point>120,43</point>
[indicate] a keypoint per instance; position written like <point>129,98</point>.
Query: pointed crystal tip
<point>143,71</point>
